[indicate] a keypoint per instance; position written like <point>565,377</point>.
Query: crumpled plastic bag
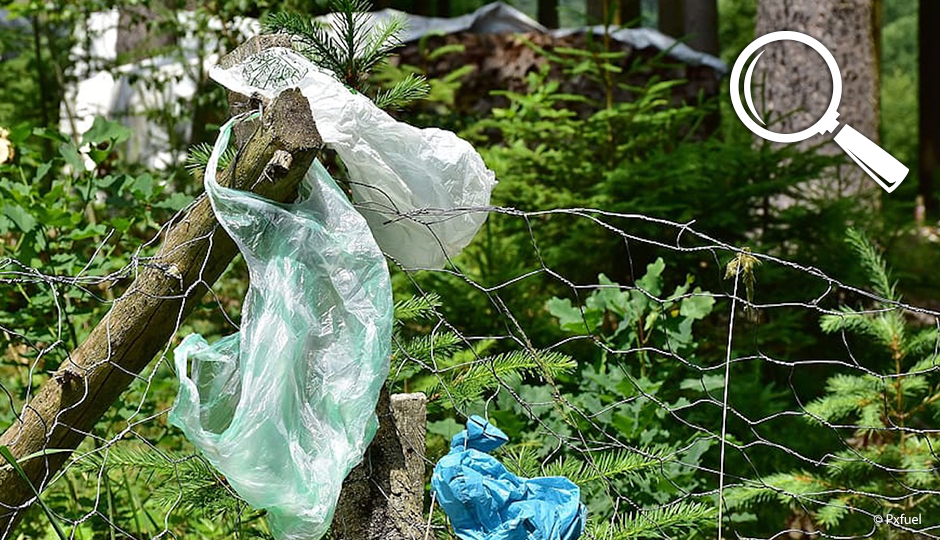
<point>484,501</point>
<point>285,407</point>
<point>424,192</point>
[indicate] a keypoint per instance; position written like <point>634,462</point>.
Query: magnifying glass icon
<point>884,169</point>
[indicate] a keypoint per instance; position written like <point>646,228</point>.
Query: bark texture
<point>701,26</point>
<point>548,13</point>
<point>672,17</point>
<point>630,13</point>
<point>194,252</point>
<point>797,84</point>
<point>382,498</point>
<point>929,81</point>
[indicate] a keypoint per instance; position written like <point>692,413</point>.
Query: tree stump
<point>383,496</point>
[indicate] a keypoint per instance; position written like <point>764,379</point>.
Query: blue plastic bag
<point>285,407</point>
<point>484,501</point>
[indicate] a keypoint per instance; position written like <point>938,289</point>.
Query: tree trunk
<point>548,13</point>
<point>672,18</point>
<point>195,251</point>
<point>595,11</point>
<point>630,13</point>
<point>929,163</point>
<point>798,86</point>
<point>139,32</point>
<point>422,7</point>
<point>701,26</point>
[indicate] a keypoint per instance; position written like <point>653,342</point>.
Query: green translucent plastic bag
<point>286,407</point>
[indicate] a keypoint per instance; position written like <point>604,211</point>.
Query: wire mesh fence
<point>685,394</point>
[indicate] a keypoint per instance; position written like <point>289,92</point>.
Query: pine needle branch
<point>873,264</point>
<point>411,88</point>
<point>351,47</point>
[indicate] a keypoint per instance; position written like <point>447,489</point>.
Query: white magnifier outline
<point>881,166</point>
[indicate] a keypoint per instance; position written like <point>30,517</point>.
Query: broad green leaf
<point>23,220</point>
<point>143,185</point>
<point>69,152</point>
<point>105,131</point>
<point>698,306</point>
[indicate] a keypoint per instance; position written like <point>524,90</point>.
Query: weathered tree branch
<point>195,251</point>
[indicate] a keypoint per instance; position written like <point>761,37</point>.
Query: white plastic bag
<point>424,192</point>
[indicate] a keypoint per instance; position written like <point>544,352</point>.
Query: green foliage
<point>636,318</point>
<point>736,22</point>
<point>74,215</point>
<point>523,460</point>
<point>660,522</point>
<point>454,374</point>
<point>644,155</point>
<point>466,384</point>
<point>638,351</point>
<point>533,388</point>
<point>411,88</point>
<point>74,223</point>
<point>888,460</point>
<point>899,66</point>
<point>628,385</point>
<point>350,48</point>
<point>11,461</point>
<point>185,481</point>
<point>199,155</point>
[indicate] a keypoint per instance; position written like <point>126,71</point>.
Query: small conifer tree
<point>889,464</point>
